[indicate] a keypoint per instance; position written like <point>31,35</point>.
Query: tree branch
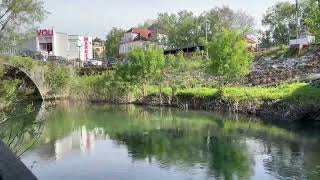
<point>4,25</point>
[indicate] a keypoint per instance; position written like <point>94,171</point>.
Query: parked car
<point>112,62</point>
<point>92,63</point>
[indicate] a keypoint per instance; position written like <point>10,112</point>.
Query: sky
<point>97,17</point>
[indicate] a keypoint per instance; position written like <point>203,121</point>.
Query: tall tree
<point>226,18</point>
<point>112,42</point>
<point>18,18</point>
<point>185,28</point>
<point>312,19</point>
<point>280,20</point>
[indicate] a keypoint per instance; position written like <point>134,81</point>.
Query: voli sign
<point>45,33</point>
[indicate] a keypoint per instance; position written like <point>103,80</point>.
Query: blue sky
<point>97,17</point>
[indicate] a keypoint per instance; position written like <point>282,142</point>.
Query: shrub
<point>229,56</point>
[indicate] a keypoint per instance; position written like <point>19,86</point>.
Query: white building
<point>139,37</point>
<point>61,44</point>
<point>303,40</point>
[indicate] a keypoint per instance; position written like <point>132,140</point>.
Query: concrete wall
<point>73,49</point>
<point>60,44</point>
<point>125,48</point>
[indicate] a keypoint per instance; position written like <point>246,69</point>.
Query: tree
<point>265,39</point>
<point>143,65</point>
<point>182,28</point>
<point>112,43</point>
<point>280,20</point>
<point>185,28</point>
<point>229,56</point>
<point>226,18</point>
<point>312,19</point>
<point>18,18</point>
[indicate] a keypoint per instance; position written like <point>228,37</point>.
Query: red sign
<point>86,48</point>
<point>45,33</point>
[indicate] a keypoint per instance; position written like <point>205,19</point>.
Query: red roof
<point>144,33</point>
<point>249,40</point>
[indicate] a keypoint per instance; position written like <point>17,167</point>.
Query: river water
<point>103,142</point>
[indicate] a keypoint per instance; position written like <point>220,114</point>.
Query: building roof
<point>250,40</point>
<point>144,33</point>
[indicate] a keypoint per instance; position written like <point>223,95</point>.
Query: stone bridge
<point>33,78</point>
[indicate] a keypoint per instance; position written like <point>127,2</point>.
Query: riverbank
<point>284,102</point>
<point>290,102</point>
<point>287,102</point>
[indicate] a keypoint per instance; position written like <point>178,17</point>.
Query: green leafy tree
<point>112,43</point>
<point>18,18</point>
<point>185,28</point>
<point>281,22</point>
<point>143,66</point>
<point>229,56</point>
<point>312,19</point>
<point>265,39</point>
<point>223,18</point>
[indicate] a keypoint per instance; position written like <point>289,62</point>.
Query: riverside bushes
<point>175,79</point>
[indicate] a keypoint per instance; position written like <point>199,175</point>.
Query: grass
<point>295,92</point>
<point>201,92</point>
<point>102,87</point>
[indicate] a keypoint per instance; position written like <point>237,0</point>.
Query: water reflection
<point>23,126</point>
<point>115,142</point>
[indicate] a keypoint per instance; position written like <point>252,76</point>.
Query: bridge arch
<point>26,76</point>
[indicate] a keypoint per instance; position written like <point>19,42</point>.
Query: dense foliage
<point>112,42</point>
<point>280,21</point>
<point>17,19</point>
<point>185,28</point>
<point>143,65</point>
<point>313,18</point>
<point>229,56</point>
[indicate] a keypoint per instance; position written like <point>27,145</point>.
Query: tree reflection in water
<point>226,149</point>
<point>23,127</point>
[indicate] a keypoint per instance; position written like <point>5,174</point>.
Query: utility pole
<point>79,44</point>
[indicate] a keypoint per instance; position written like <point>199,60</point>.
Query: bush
<point>144,65</point>
<point>56,77</point>
<point>229,56</point>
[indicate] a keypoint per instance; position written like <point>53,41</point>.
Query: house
<point>141,37</point>
<point>98,48</point>
<point>251,44</point>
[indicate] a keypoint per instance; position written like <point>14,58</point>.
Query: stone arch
<point>26,76</point>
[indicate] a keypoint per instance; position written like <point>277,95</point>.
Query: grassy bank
<point>295,93</point>
<point>65,81</point>
<point>171,89</point>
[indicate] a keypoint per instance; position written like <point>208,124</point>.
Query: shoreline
<point>280,110</point>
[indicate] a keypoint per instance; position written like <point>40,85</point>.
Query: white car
<point>93,62</point>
